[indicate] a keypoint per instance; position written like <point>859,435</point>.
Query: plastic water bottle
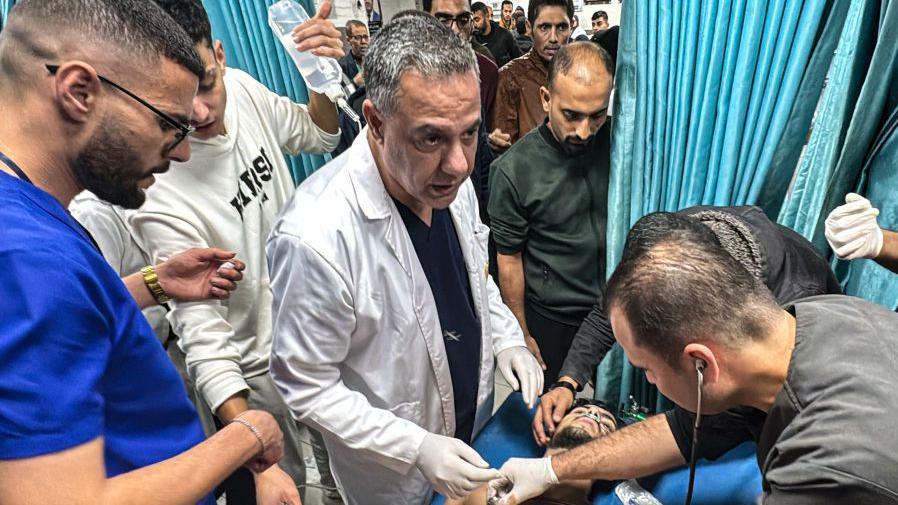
<point>630,492</point>
<point>322,74</point>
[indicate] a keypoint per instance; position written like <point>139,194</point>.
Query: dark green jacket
<point>552,208</point>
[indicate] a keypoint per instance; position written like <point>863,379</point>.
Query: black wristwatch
<point>567,385</point>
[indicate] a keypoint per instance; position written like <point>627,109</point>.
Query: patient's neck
<point>575,492</point>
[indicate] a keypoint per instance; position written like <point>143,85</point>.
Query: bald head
<point>585,61</point>
<point>131,35</point>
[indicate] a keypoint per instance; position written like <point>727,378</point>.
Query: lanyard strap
<point>21,175</point>
<point>15,168</point>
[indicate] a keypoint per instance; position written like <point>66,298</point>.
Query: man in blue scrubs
<point>94,94</point>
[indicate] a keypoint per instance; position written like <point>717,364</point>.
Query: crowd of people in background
<point>181,319</point>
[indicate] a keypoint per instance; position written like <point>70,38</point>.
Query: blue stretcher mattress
<point>734,479</point>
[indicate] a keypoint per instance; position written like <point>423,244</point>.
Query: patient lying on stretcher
<point>588,420</point>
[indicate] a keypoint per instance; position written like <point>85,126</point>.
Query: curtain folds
<point>851,146</point>
<point>706,90</point>
<point>5,6</point>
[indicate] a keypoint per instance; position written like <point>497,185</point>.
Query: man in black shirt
<point>498,40</point>
<point>548,201</point>
<point>819,405</point>
<point>788,264</point>
<point>522,38</point>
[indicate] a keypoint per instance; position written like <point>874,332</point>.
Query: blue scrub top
<point>441,259</point>
<point>78,360</point>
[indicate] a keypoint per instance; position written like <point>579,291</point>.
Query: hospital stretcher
<point>734,479</point>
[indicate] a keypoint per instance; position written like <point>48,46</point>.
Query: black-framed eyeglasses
<point>359,38</point>
<point>461,21</point>
<point>183,130</point>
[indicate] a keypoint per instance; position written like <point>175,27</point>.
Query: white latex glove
<point>519,361</point>
<point>453,467</point>
<point>522,479</point>
<point>852,231</point>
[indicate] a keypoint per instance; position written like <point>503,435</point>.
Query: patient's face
<point>591,419</point>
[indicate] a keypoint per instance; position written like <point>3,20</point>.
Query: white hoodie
<point>108,225</point>
<point>228,195</point>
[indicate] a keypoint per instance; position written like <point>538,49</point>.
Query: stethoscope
<point>699,371</point>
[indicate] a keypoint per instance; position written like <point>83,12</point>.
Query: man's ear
<point>219,54</point>
<point>374,120</point>
<point>695,352</point>
<point>545,97</point>
<point>77,89</point>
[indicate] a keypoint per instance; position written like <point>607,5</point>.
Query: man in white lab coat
<point>386,323</point>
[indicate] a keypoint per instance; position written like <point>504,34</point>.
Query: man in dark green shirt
<point>548,206</point>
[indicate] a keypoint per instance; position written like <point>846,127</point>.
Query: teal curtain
<point>706,90</point>
<point>5,6</point>
<point>242,26</point>
<point>852,142</point>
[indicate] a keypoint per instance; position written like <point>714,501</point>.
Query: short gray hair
<point>417,43</point>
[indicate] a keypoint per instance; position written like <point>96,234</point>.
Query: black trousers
<point>553,338</point>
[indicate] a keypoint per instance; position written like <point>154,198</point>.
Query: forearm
<point>232,407</point>
<point>511,286</point>
<point>78,475</point>
<point>888,256</point>
<point>323,112</point>
<point>593,340</point>
<point>641,449</point>
<point>212,354</point>
<point>139,290</point>
<point>186,478</point>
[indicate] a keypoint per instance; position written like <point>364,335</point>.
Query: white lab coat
<point>357,347</point>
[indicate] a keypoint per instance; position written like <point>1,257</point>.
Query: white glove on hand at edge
<point>452,466</point>
<point>522,479</point>
<point>519,361</point>
<point>852,230</point>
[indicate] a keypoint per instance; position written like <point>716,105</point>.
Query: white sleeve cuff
<point>221,387</point>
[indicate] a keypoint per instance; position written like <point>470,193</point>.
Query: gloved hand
<point>522,479</point>
<point>852,231</point>
<point>519,361</point>
<point>453,467</point>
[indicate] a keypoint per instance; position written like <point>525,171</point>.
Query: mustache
<point>161,168</point>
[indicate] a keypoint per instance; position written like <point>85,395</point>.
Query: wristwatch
<point>567,385</point>
<point>152,281</point>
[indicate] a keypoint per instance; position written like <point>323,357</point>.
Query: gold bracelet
<point>151,279</point>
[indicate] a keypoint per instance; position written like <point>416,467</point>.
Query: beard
<point>573,147</point>
<point>109,168</point>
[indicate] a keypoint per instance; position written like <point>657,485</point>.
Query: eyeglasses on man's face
<point>182,130</point>
<point>359,38</point>
<point>461,21</point>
